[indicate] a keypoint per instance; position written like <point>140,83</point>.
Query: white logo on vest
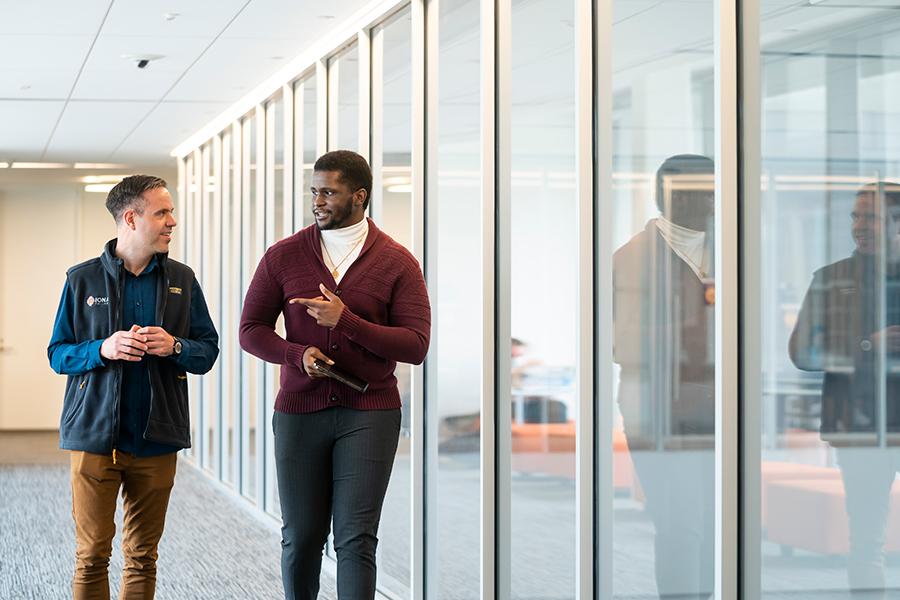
<point>98,301</point>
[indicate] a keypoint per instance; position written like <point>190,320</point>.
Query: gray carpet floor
<point>213,547</point>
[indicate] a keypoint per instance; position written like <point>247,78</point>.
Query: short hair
<point>354,170</point>
<point>889,192</point>
<point>683,164</point>
<point>128,193</point>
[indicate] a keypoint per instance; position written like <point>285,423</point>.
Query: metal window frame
<point>727,306</point>
<point>584,388</point>
<point>749,144</point>
<point>603,221</point>
<point>502,284</point>
<point>419,222</point>
<point>376,122</point>
<point>427,537</point>
<point>490,298</point>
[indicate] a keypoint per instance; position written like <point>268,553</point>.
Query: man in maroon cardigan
<point>353,297</point>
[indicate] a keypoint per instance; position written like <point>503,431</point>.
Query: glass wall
<point>229,357</point>
<point>394,202</point>
<point>305,149</point>
<point>663,422</point>
<point>829,301</point>
<point>343,99</point>
<point>251,234</point>
<point>454,392</point>
<point>543,249</point>
<point>506,85</point>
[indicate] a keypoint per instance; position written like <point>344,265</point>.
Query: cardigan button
<point>334,347</point>
<point>333,398</point>
<point>337,292</point>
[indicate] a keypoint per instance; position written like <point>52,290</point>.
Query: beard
<point>340,217</point>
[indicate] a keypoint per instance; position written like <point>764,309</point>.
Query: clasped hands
<point>133,344</point>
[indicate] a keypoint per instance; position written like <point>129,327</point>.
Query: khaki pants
<point>146,484</point>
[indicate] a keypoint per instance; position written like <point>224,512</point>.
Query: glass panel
<point>209,279</point>
<point>396,199</point>
<point>228,358</point>
<point>252,232</point>
<point>275,113</point>
<point>346,88</point>
<point>544,252</point>
<point>191,256</point>
<point>663,452</point>
<point>308,157</point>
<point>455,257</point>
<point>829,301</point>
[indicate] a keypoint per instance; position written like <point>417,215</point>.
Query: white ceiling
<point>66,93</point>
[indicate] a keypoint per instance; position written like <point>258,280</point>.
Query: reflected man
<point>665,345</point>
<point>849,327</point>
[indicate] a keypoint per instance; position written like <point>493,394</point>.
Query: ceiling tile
<point>54,17</point>
<point>46,84</point>
<point>25,127</point>
<point>61,53</point>
<point>92,130</point>
<point>107,76</point>
<point>198,18</point>
<point>270,19</point>
<point>168,124</point>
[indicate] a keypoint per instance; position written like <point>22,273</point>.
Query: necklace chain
<point>334,267</point>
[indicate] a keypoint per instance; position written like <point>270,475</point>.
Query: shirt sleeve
<point>200,349</point>
<point>68,357</point>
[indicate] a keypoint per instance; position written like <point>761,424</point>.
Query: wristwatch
<point>176,349</point>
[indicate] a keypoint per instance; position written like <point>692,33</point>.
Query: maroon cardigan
<point>386,318</point>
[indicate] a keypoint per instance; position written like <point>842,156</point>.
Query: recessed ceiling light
<point>40,165</point>
<point>99,166</point>
<point>102,188</point>
<point>171,16</point>
<point>24,87</point>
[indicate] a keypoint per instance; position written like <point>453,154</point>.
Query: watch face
<point>177,347</point>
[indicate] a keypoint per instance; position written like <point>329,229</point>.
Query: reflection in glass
<point>663,301</point>
<point>543,310</point>
<point>455,399</point>
<point>829,302</point>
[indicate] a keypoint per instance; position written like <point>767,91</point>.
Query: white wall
<point>46,226</point>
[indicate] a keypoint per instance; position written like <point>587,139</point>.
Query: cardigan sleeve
<point>262,305</point>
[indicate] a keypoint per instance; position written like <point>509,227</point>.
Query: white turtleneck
<point>688,244</point>
<point>341,247</point>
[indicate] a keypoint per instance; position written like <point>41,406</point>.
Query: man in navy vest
<point>130,325</point>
